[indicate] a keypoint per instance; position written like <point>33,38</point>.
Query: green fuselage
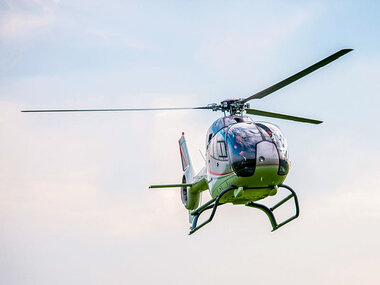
<point>258,186</point>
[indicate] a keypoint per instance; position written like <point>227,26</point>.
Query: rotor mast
<point>232,106</point>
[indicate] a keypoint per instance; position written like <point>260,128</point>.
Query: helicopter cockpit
<point>279,140</point>
<point>241,143</point>
<point>240,136</point>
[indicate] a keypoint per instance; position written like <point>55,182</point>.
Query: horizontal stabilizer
<point>170,186</point>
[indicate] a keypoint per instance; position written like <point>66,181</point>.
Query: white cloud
<point>18,25</point>
<point>113,38</point>
<point>25,18</point>
<point>358,199</point>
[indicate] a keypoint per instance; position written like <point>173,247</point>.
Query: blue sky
<point>74,203</point>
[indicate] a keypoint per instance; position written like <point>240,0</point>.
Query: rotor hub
<point>233,106</point>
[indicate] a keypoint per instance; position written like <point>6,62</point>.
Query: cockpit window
<point>243,138</point>
<point>241,144</point>
<point>278,138</point>
<point>265,131</point>
<point>218,149</point>
<point>217,125</point>
<point>236,119</point>
<point>221,123</point>
<point>221,149</point>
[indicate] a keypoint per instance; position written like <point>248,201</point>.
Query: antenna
<point>202,155</point>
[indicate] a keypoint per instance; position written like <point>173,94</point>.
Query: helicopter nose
<point>266,154</point>
<point>244,167</point>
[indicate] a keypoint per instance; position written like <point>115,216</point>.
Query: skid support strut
<point>212,204</point>
<point>269,211</point>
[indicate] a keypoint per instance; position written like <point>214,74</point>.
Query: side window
<point>208,136</point>
<point>219,149</point>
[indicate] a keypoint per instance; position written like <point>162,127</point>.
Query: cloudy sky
<point>74,201</point>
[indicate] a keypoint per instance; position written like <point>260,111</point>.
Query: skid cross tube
<point>212,204</point>
<point>269,211</point>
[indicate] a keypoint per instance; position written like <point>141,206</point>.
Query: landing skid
<point>214,203</point>
<point>269,211</point>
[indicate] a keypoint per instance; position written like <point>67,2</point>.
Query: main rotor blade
<point>114,110</point>
<point>297,76</point>
<point>281,116</point>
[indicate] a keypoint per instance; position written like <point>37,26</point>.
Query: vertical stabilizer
<point>187,166</point>
<point>190,195</point>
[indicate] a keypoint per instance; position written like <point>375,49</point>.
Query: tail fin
<point>190,195</point>
<point>187,166</point>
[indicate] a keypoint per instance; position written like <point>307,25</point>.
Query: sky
<point>74,201</point>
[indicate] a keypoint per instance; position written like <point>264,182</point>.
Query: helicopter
<point>245,160</point>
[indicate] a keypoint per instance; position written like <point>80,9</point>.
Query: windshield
<point>278,138</point>
<point>242,139</point>
<point>241,144</point>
